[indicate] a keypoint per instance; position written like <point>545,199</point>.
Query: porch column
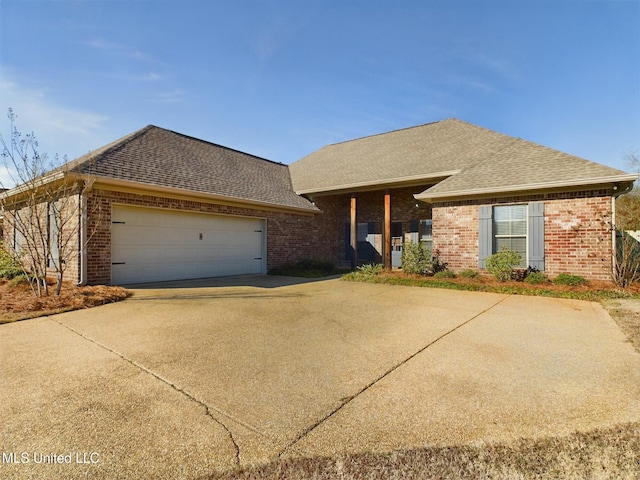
<point>353,242</point>
<point>387,230</point>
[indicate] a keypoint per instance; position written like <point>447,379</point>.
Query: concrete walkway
<point>182,380</point>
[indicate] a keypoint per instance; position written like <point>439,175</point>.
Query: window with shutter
<point>517,227</point>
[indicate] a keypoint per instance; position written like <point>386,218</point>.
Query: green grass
<point>433,282</point>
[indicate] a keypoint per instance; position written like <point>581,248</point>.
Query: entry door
<point>396,244</point>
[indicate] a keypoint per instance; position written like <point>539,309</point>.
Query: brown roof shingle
<point>462,157</point>
<point>155,156</point>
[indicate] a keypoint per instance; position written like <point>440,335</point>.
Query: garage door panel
<point>156,245</point>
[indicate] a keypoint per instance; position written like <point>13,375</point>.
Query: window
<point>516,227</point>
<point>54,259</point>
<point>510,230</point>
<point>426,234</point>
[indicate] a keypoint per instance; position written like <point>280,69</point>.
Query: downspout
<point>82,202</point>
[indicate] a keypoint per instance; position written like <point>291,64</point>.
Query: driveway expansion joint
<point>346,400</point>
<point>191,397</point>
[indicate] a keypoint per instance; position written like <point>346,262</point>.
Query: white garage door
<point>151,245</point>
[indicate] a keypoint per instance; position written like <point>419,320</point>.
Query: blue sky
<point>280,79</point>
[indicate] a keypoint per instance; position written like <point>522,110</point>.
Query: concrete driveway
<point>182,380</point>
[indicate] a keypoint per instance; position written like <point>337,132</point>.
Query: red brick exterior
<point>290,236</point>
<point>578,232</point>
<point>578,237</point>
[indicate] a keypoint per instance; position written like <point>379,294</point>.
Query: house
<point>160,205</point>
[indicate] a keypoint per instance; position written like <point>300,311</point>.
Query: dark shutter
<point>485,234</point>
<point>536,235</point>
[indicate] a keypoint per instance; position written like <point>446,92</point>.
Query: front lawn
<point>593,291</point>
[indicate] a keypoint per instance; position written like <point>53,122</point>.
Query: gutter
<point>194,194</point>
<point>425,196</point>
<point>379,184</point>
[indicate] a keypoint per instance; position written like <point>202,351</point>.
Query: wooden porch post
<point>353,242</point>
<point>387,230</point>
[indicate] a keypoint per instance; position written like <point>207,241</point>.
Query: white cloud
<point>59,129</point>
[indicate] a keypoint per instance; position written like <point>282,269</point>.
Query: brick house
<point>165,206</point>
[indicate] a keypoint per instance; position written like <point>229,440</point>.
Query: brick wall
<point>577,232</point>
<point>290,236</point>
<point>38,234</point>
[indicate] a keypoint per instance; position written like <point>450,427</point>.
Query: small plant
<point>468,273</point>
<point>436,265</point>
<point>444,274</point>
<point>570,280</point>
<point>502,264</point>
<point>9,267</point>
<point>416,258</point>
<point>536,278</point>
<point>370,269</point>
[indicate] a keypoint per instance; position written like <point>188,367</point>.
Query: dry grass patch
<point>626,313</point>
<point>17,301</point>
<point>604,453</point>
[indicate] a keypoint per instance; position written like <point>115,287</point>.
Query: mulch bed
<point>18,302</point>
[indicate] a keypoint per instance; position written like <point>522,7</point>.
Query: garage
<point>151,245</point>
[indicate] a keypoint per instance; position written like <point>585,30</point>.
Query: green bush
<point>468,273</point>
<point>536,278</point>
<point>502,264</point>
<point>9,267</point>
<point>416,258</point>
<point>370,269</point>
<point>571,280</point>
<point>444,274</point>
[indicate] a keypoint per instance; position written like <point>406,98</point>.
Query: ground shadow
<point>259,281</point>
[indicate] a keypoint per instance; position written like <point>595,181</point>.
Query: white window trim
<point>525,236</point>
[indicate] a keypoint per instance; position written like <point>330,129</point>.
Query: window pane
<point>510,220</point>
<point>426,230</point>
<point>517,244</point>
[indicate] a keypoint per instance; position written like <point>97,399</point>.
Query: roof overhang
<point>614,183</point>
<point>128,186</point>
<point>370,185</point>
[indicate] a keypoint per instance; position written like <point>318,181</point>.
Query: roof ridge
<point>395,131</point>
<point>99,152</point>
<point>190,137</point>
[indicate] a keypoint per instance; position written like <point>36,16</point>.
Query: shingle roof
<point>155,156</point>
<point>470,159</point>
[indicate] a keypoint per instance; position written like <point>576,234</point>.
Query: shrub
<point>436,265</point>
<point>468,273</point>
<point>445,274</point>
<point>416,258</point>
<point>536,278</point>
<point>627,267</point>
<point>9,267</point>
<point>370,269</point>
<point>502,264</point>
<point>571,280</point>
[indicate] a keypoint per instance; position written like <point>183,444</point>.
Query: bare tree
<point>627,261</point>
<point>628,205</point>
<point>43,212</point>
